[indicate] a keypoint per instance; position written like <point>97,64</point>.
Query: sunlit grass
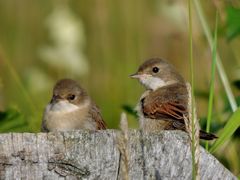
<point>211,93</point>
<point>220,68</point>
<point>195,167</point>
<point>231,126</point>
<point>19,83</point>
<point>234,122</point>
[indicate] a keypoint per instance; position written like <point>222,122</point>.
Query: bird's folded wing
<point>155,107</point>
<point>96,115</point>
<point>44,126</point>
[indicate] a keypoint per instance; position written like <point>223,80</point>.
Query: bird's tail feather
<point>207,136</point>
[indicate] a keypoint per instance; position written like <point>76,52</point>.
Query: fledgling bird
<point>70,109</point>
<point>165,103</point>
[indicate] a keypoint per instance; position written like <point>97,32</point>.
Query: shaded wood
<point>95,155</point>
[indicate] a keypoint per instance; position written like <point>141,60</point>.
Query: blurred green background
<point>99,44</point>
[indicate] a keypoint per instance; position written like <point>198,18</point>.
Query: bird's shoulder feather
<point>168,103</point>
<point>96,116</point>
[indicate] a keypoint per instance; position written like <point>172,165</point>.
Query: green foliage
<point>12,120</point>
<point>220,68</point>
<point>236,83</point>
<point>237,133</point>
<point>215,124</point>
<point>195,163</point>
<point>130,110</point>
<point>227,107</point>
<point>233,29</point>
<point>214,57</point>
<point>231,126</point>
<point>233,22</point>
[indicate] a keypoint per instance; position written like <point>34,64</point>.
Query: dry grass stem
<point>122,142</point>
<point>193,125</point>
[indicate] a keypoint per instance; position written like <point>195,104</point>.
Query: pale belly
<point>66,121</point>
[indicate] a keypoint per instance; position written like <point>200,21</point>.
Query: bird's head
<point>68,95</point>
<point>156,73</point>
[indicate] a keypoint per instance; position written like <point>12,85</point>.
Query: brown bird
<point>71,108</point>
<point>165,103</point>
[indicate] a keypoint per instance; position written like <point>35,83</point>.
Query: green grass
<point>234,121</point>
<point>221,70</point>
<point>192,124</point>
<point>231,126</point>
<point>211,93</point>
<point>19,84</point>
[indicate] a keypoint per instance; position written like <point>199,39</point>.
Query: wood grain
<point>95,155</point>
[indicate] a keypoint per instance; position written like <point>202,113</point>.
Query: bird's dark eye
<point>71,97</point>
<point>155,69</point>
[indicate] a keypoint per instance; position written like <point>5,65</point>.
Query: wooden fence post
<point>95,155</point>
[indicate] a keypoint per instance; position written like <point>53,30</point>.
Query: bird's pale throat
<point>153,83</point>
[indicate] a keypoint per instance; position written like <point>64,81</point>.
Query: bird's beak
<point>135,76</point>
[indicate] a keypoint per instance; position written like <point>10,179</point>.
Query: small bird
<point>71,108</point>
<point>165,103</point>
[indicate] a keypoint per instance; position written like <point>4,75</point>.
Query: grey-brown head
<point>155,73</point>
<point>68,95</point>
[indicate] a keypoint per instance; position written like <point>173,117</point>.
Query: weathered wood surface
<point>95,155</point>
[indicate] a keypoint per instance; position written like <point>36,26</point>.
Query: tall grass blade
<point>219,65</point>
<point>19,83</point>
<point>210,102</point>
<point>192,114</point>
<point>232,124</point>
<point>192,127</point>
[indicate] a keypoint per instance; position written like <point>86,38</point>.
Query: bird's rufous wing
<point>165,106</point>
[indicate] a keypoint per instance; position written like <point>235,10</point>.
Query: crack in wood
<point>142,143</point>
<point>65,167</point>
<point>119,166</point>
<point>4,162</point>
<point>21,154</point>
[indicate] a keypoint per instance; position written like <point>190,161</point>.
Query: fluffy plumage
<point>71,108</point>
<point>165,103</point>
